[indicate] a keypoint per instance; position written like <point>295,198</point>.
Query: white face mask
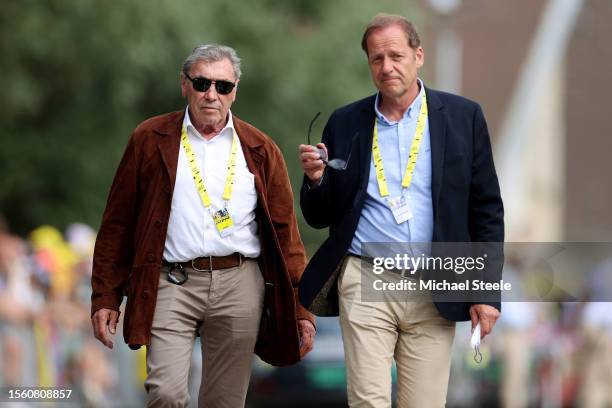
<point>475,343</point>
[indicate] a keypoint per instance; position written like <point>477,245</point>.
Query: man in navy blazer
<point>429,154</point>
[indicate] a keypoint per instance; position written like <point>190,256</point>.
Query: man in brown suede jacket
<point>200,233</point>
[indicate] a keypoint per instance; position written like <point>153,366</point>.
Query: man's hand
<point>311,163</point>
<point>486,315</point>
<point>307,334</point>
<point>103,322</point>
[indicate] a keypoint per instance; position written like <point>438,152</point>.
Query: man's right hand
<point>311,162</point>
<point>104,323</point>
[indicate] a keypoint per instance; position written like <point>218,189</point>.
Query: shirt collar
<point>229,126</point>
<point>414,106</point>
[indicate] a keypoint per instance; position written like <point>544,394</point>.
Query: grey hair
<point>213,53</point>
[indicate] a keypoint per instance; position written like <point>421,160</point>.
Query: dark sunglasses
<point>202,84</point>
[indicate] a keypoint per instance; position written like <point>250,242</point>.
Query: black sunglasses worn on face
<point>202,84</point>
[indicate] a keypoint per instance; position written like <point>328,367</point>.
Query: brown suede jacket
<point>130,243</point>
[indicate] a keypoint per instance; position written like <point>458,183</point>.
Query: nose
<point>387,65</point>
<point>211,93</point>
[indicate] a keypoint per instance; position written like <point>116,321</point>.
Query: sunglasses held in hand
<point>202,84</point>
<point>336,164</point>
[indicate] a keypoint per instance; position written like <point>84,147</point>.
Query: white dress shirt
<point>191,229</point>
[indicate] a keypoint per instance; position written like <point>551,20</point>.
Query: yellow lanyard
<point>412,157</point>
<point>197,176</point>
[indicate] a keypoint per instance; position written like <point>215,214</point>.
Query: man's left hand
<point>307,334</point>
<point>486,315</point>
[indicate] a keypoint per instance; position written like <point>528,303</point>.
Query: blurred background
<point>78,75</point>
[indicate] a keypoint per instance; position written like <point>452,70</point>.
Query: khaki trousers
<point>224,307</point>
<point>374,333</point>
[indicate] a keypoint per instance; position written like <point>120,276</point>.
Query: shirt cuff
<point>315,185</point>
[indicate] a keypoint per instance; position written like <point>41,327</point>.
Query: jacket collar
<point>252,144</point>
<point>366,132</point>
<point>169,131</point>
<point>171,126</point>
<point>169,143</point>
<point>437,135</point>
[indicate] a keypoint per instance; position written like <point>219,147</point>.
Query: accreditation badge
<point>400,207</point>
<point>223,222</point>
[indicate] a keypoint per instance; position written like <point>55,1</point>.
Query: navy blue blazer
<point>467,204</point>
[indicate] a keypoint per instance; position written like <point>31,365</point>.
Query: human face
<point>209,109</point>
<point>393,63</point>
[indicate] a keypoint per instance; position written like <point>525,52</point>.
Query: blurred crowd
<point>45,330</point>
<point>544,354</point>
<point>541,354</point>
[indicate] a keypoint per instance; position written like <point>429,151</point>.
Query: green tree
<point>79,75</point>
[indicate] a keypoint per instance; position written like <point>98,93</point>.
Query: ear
<point>235,91</point>
<point>419,57</point>
<point>184,85</point>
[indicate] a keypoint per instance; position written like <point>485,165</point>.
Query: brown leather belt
<point>212,263</point>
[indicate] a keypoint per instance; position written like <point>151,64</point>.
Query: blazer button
<point>145,294</point>
<point>158,223</point>
<point>150,257</point>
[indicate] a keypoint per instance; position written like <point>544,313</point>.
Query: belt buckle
<point>210,265</point>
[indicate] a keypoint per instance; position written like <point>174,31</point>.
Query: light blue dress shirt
<point>377,223</point>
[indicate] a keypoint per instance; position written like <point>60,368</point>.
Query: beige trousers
<point>374,333</point>
<point>224,307</point>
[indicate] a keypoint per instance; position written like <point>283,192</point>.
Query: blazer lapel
<point>253,155</point>
<point>169,144</point>
<point>437,134</point>
<point>365,136</point>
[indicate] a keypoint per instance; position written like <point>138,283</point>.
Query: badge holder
<point>223,222</point>
<point>400,207</point>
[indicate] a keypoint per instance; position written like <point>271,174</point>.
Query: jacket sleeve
<point>486,217</point>
<point>315,202</point>
<point>114,249</point>
<point>486,210</point>
<point>282,213</point>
